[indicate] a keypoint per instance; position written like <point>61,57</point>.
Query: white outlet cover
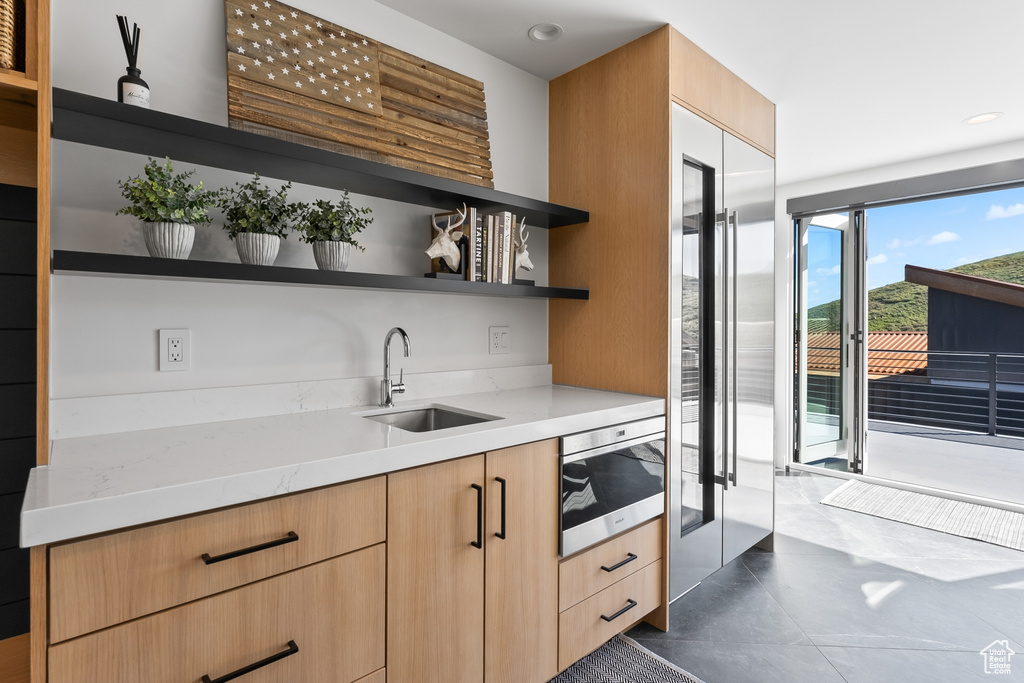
<point>167,348</point>
<point>499,339</point>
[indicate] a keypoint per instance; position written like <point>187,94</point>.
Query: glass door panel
<point>823,359</point>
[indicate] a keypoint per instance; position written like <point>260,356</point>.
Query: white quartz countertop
<point>96,484</point>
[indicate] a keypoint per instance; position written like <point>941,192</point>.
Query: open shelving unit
<point>104,123</point>
<point>79,262</point>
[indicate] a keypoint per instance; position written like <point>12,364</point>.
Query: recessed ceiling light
<point>983,118</point>
<point>543,33</point>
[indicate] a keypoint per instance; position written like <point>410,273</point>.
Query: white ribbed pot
<point>331,255</point>
<point>257,249</point>
<point>168,240</point>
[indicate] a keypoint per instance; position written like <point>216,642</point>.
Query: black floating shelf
<point>145,266</point>
<point>104,123</point>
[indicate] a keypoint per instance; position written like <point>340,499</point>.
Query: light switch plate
<point>175,350</point>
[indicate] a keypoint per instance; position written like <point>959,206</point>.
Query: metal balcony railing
<point>979,392</point>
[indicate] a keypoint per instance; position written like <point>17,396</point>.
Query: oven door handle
<point>575,457</point>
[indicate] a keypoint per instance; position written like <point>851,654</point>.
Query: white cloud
<point>877,260</point>
<point>1002,251</point>
<point>897,243</point>
<point>825,272</point>
<point>944,236</point>
<point>997,211</point>
<point>961,261</point>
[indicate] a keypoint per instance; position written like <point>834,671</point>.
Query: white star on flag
<point>304,42</point>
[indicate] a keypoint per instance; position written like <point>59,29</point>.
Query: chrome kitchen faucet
<point>387,388</point>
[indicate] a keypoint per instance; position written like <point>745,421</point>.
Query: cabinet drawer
<point>582,576</point>
<point>581,630</point>
<point>110,579</point>
<point>332,611</point>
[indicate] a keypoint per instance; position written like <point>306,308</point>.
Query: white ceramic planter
<point>257,249</point>
<point>331,255</point>
<point>168,240</point>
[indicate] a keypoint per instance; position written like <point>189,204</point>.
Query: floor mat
<point>623,660</point>
<point>970,520</point>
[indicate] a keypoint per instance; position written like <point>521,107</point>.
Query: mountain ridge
<point>903,306</point>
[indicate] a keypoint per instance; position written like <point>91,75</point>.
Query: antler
<point>521,236</point>
<point>462,217</point>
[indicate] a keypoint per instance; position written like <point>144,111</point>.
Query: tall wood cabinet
<point>473,568</point>
<point>610,149</point>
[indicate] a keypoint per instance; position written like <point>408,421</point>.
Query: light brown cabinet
<point>449,618</point>
<point>291,588</point>
<point>322,623</point>
<point>109,579</point>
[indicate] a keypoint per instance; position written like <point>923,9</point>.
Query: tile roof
<point>889,353</point>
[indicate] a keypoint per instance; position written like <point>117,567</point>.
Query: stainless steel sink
<point>429,419</point>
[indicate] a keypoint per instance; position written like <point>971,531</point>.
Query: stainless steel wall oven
<point>611,480</point>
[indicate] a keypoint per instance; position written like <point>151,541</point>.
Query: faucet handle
<point>400,387</point>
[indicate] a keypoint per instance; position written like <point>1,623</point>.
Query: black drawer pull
<point>479,542</point>
<point>629,558</point>
<point>501,534</point>
<point>290,538</point>
<point>631,605</point>
<point>292,649</point>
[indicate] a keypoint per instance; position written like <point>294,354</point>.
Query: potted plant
<point>169,207</point>
<point>331,229</point>
<point>257,218</point>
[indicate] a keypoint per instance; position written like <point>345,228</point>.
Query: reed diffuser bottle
<point>131,89</point>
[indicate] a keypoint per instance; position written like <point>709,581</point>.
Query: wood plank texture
<point>707,88</point>
<point>609,146</point>
<point>14,659</point>
<point>435,577</point>
<point>581,576</point>
<point>18,156</point>
<point>334,611</point>
<point>374,102</point>
<point>521,576</point>
<point>581,630</point>
<point>109,579</point>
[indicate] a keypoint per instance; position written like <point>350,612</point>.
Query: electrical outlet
<point>174,350</point>
<point>499,340</point>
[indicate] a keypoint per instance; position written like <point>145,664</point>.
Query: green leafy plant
<point>166,196</point>
<point>327,222</point>
<point>254,207</point>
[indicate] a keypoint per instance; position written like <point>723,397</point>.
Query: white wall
<point>104,329</point>
<point>784,263</point>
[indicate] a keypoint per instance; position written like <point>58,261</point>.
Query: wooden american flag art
<point>273,43</point>
<point>299,77</point>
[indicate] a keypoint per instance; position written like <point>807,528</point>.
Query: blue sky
<point>940,234</point>
<point>943,233</point>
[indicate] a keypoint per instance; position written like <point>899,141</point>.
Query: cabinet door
<point>521,581</point>
<point>435,575</point>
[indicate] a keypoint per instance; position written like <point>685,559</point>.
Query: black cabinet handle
<point>631,605</point>
<point>501,534</point>
<point>292,649</point>
<point>479,542</point>
<point>629,558</point>
<point>290,538</point>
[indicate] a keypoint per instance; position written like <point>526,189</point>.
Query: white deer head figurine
<point>445,242</point>
<point>522,255</point>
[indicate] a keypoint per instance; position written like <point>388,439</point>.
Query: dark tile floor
<point>848,597</point>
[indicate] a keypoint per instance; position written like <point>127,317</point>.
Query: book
<point>469,230</point>
<point>489,251</point>
<point>499,247</point>
<point>509,269</point>
<point>478,246</point>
